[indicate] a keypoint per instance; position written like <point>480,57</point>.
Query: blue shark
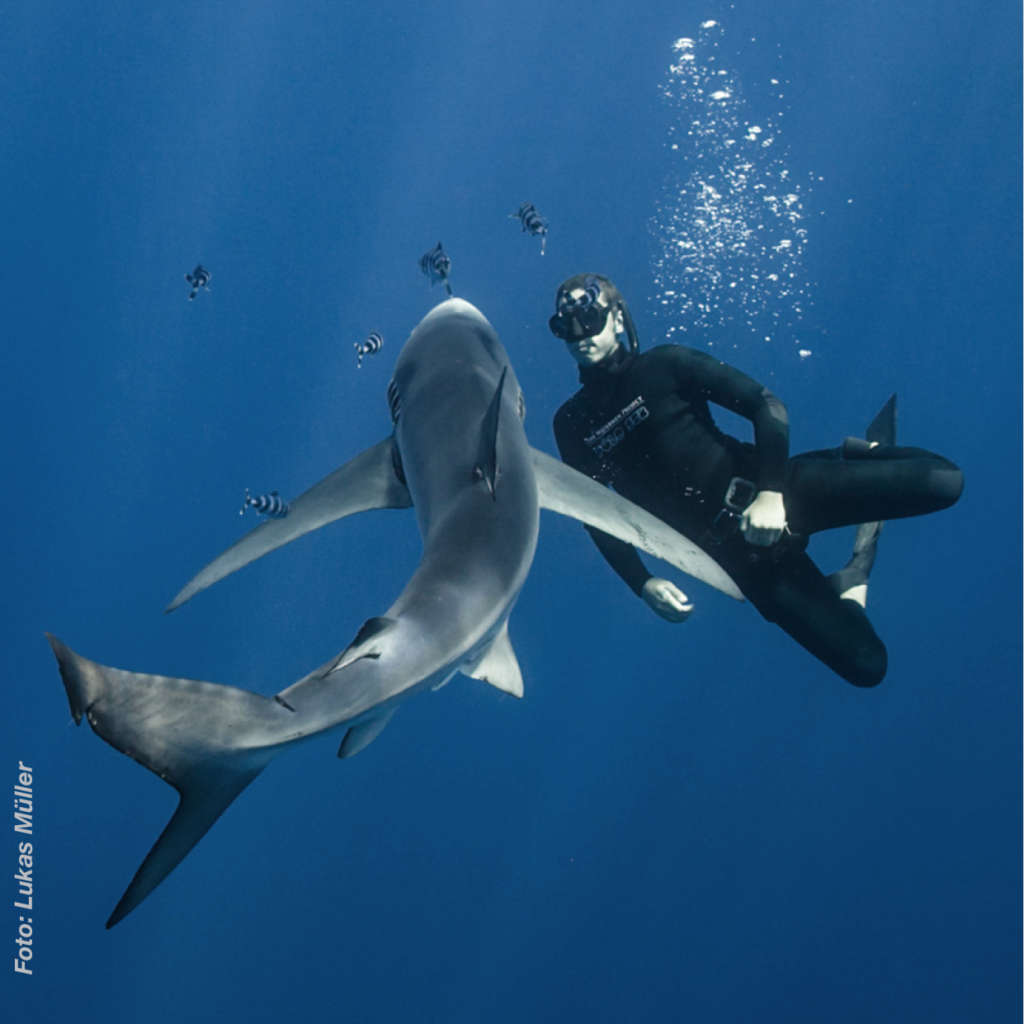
<point>459,457</point>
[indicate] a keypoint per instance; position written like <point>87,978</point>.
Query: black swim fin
<point>882,431</point>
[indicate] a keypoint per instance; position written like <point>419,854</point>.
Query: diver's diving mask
<point>575,321</point>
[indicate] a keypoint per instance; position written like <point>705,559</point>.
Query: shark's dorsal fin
<point>499,666</point>
<point>367,644</point>
<point>368,481</point>
<point>562,489</point>
<point>362,735</point>
<point>486,468</point>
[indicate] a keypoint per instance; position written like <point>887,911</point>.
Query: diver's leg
<point>795,595</point>
<point>823,489</point>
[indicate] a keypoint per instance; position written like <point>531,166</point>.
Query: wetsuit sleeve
<point>622,557</point>
<point>728,387</point>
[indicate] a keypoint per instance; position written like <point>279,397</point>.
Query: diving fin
<point>366,482</point>
<point>881,431</point>
<point>570,493</point>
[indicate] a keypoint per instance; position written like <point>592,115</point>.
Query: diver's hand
<point>664,597</point>
<point>765,519</point>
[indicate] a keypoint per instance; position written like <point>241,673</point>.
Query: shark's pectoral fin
<point>368,481</point>
<point>562,489</point>
<point>363,734</point>
<point>499,666</point>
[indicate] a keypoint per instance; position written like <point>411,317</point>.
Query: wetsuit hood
<point>609,293</point>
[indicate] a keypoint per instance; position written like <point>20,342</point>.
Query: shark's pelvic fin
<point>362,735</point>
<point>366,482</point>
<point>499,666</point>
<point>183,730</point>
<point>486,468</point>
<point>562,489</point>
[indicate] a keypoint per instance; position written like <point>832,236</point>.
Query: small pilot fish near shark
<point>373,344</point>
<point>437,265</point>
<point>199,278</point>
<point>271,505</point>
<point>477,488</point>
<point>591,293</point>
<point>533,223</point>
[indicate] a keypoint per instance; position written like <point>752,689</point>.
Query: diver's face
<point>590,351</point>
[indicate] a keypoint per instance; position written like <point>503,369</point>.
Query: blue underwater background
<point>678,822</point>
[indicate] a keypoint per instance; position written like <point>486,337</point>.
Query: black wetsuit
<point>641,423</point>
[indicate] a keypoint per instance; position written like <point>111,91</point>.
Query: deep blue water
<point>691,822</point>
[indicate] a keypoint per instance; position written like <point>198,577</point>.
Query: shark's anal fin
<point>366,482</point>
<point>367,644</point>
<point>562,489</point>
<point>362,735</point>
<point>499,666</point>
<point>486,468</point>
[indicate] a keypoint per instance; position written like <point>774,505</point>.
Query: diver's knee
<point>868,666</point>
<point>946,483</point>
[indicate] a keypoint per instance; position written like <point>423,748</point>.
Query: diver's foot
<point>851,582</point>
<point>857,593</point>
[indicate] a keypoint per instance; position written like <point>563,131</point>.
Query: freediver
<point>641,424</point>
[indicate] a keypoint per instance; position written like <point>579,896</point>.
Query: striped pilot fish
<point>533,223</point>
<point>437,265</point>
<point>374,343</point>
<point>271,505</point>
<point>591,293</point>
<point>199,278</point>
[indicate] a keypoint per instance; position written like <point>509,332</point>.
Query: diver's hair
<point>611,295</point>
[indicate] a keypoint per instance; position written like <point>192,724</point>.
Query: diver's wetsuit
<point>641,423</point>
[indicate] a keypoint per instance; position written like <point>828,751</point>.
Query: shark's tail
<point>207,741</point>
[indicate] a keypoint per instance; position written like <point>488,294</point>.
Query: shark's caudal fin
<point>366,482</point>
<point>184,731</point>
<point>564,490</point>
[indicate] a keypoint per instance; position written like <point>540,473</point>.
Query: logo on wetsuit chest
<point>606,437</point>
